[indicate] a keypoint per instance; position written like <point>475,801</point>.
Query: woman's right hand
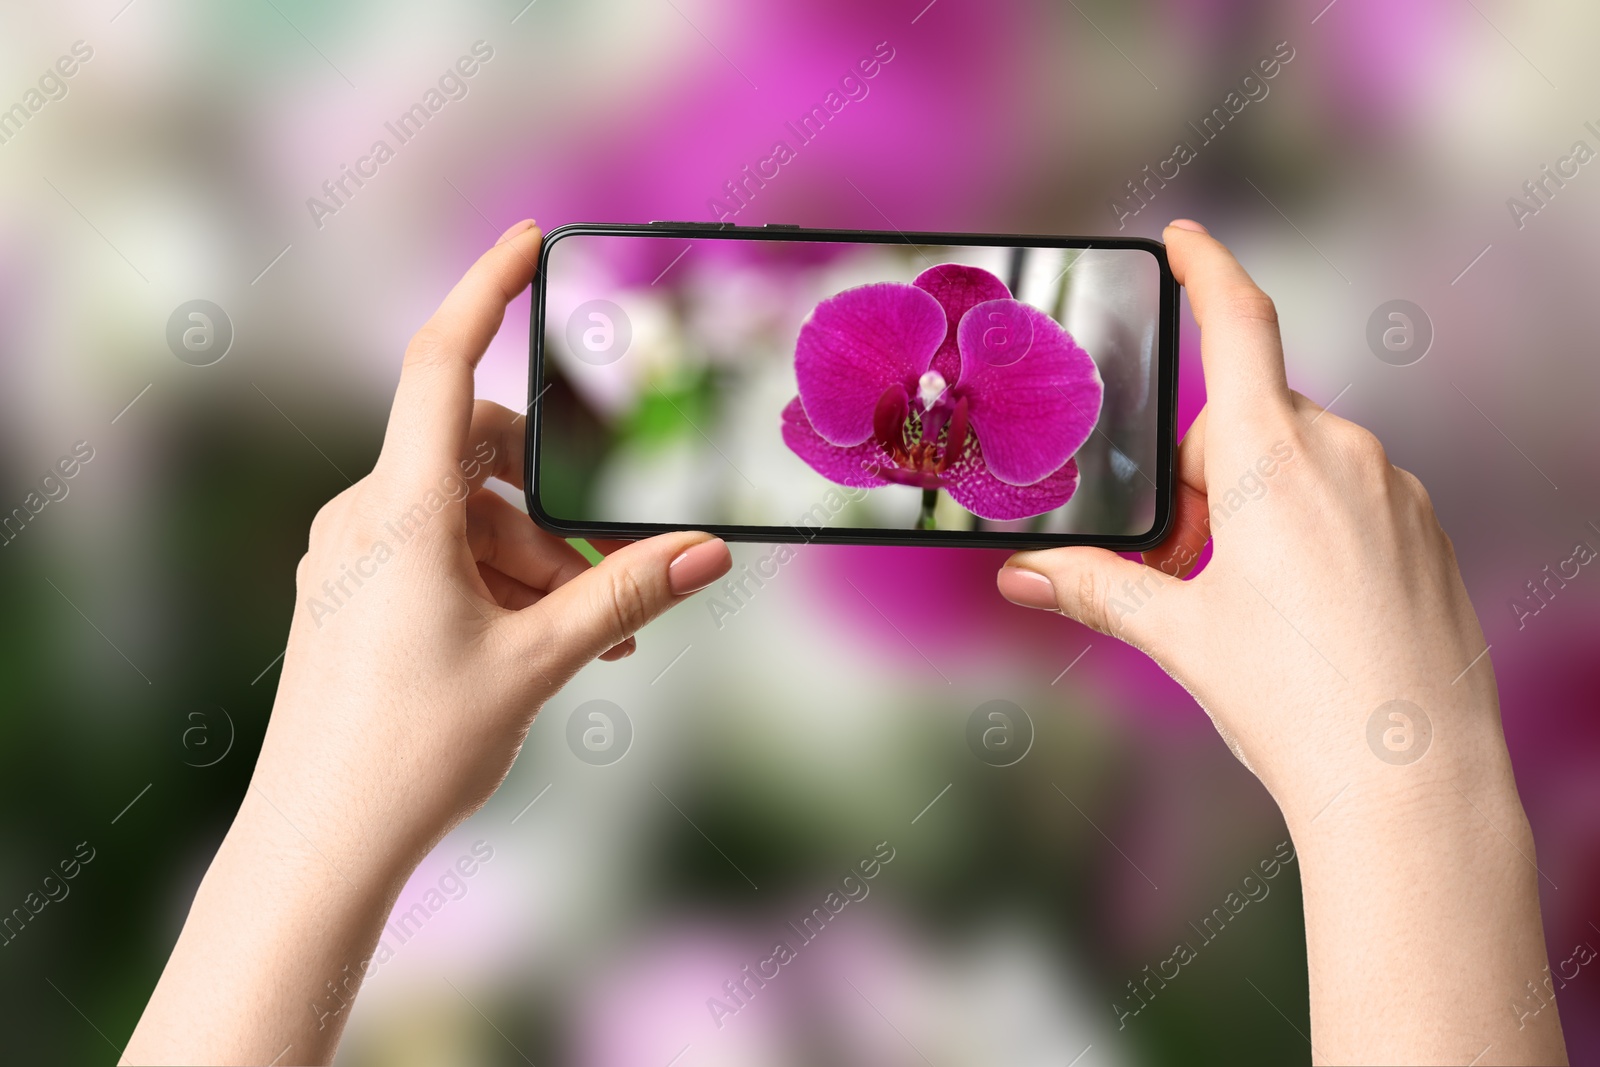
<point>1332,642</point>
<point>1332,590</point>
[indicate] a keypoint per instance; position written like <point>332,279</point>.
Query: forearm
<point>1422,921</point>
<point>270,957</point>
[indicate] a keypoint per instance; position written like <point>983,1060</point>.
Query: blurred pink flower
<point>653,1003</point>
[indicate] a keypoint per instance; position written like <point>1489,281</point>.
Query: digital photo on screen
<point>840,385</point>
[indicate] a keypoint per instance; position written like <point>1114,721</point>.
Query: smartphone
<point>782,384</point>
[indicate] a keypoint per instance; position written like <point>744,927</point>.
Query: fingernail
<point>1027,588</point>
<point>699,566</point>
<point>522,227</point>
<point>1189,224</point>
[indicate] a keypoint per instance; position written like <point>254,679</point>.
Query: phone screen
<point>864,389</point>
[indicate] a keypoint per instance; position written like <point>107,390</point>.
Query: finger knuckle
<point>1091,595</point>
<point>429,346</point>
<point>630,605</point>
<point>1447,551</point>
<point>1252,305</point>
<point>487,412</point>
<point>1413,485</point>
<point>324,522</point>
<point>1414,500</point>
<point>1361,450</point>
<point>480,533</point>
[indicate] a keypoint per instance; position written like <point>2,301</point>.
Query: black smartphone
<point>783,384</point>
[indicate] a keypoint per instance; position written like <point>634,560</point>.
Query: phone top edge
<point>788,232</point>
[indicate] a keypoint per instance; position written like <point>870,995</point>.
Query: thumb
<point>611,601</point>
<point>1096,587</point>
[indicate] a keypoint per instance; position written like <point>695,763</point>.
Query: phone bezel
<point>1166,393</point>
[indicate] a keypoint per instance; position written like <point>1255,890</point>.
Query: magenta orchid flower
<point>947,383</point>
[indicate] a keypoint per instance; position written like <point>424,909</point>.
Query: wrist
<point>310,859</point>
<point>1400,766</point>
<point>1431,828</point>
<point>276,943</point>
<point>1422,919</point>
<point>1381,803</point>
<point>342,803</point>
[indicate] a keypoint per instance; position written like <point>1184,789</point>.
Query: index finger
<point>433,402</point>
<point>1240,346</point>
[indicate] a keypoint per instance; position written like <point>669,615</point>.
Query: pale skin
<point>1329,594</point>
<point>399,714</point>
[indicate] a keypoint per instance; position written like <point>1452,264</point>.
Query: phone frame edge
<point>1166,395</point>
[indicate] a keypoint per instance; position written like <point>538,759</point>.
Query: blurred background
<point>154,153</point>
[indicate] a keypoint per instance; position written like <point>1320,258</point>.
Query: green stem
<point>1062,289</point>
<point>930,497</point>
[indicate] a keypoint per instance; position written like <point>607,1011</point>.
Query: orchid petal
<point>970,484</point>
<point>958,289</point>
<point>1034,394</point>
<point>855,345</point>
<point>854,465</point>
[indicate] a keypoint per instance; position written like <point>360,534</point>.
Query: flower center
<point>921,444</point>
